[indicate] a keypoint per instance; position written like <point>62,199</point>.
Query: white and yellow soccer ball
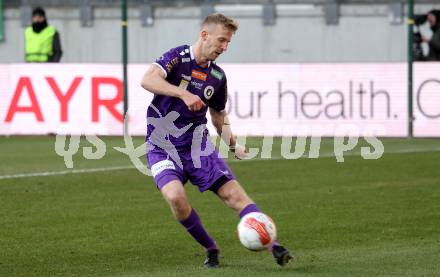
<point>256,231</point>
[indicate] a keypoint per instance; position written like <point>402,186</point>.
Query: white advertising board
<point>264,99</point>
<point>426,99</point>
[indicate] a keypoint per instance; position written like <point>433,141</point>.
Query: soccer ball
<point>256,231</point>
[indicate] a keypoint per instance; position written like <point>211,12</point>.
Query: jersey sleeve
<point>219,99</point>
<point>168,61</point>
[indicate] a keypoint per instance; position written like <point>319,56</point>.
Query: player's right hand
<point>192,101</point>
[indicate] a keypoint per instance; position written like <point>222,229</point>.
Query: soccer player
<point>186,83</point>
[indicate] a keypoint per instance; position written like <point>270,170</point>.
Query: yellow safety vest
<point>39,45</point>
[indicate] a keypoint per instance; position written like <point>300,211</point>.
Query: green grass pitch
<point>356,218</point>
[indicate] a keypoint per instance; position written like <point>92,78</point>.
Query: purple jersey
<point>181,69</point>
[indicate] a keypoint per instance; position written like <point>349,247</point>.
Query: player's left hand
<point>240,152</point>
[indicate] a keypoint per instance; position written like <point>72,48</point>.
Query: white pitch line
<point>64,172</point>
<point>332,155</point>
<point>112,168</point>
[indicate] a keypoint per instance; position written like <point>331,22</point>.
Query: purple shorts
<point>210,174</point>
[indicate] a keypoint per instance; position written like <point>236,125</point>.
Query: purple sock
<point>195,228</point>
<point>251,208</point>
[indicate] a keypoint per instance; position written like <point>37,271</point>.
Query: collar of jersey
<point>191,53</point>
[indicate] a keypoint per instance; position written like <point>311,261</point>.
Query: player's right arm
<point>154,81</point>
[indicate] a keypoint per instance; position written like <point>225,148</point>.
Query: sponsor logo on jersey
<point>217,74</point>
<point>186,77</point>
<point>186,60</point>
<point>183,84</point>
<point>208,92</point>
<point>171,64</point>
<point>198,75</point>
<point>197,85</point>
<point>186,51</point>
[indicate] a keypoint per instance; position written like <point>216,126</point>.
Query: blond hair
<point>221,19</point>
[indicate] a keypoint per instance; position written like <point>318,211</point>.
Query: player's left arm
<point>222,125</point>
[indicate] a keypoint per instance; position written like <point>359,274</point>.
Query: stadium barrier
<point>264,99</point>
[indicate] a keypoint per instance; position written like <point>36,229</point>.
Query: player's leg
<point>215,175</point>
<point>169,178</point>
<point>235,197</point>
<point>174,193</point>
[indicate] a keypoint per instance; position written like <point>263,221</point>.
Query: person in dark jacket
<point>42,40</point>
<point>433,18</point>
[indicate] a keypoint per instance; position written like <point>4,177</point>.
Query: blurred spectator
<point>433,18</point>
<point>42,40</point>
